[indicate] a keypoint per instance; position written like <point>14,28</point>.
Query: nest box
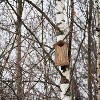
<point>61,53</point>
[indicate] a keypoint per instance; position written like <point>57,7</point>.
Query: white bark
<point>60,14</point>
<point>60,37</point>
<point>60,23</point>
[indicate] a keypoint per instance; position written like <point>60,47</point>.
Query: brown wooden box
<point>61,53</point>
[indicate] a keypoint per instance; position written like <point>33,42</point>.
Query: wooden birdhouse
<point>61,53</point>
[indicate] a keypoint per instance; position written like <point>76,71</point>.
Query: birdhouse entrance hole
<point>60,44</point>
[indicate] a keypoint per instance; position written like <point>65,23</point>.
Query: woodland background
<point>27,36</point>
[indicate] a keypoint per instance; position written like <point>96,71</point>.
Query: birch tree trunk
<point>98,45</point>
<point>65,89</point>
<point>18,52</point>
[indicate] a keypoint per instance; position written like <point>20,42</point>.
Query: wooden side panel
<point>61,55</point>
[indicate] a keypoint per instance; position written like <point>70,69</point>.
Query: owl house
<point>61,53</point>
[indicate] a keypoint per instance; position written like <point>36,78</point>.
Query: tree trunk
<point>65,88</point>
<point>89,51</point>
<point>1,88</point>
<point>18,52</point>
<point>70,43</point>
<point>98,45</point>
